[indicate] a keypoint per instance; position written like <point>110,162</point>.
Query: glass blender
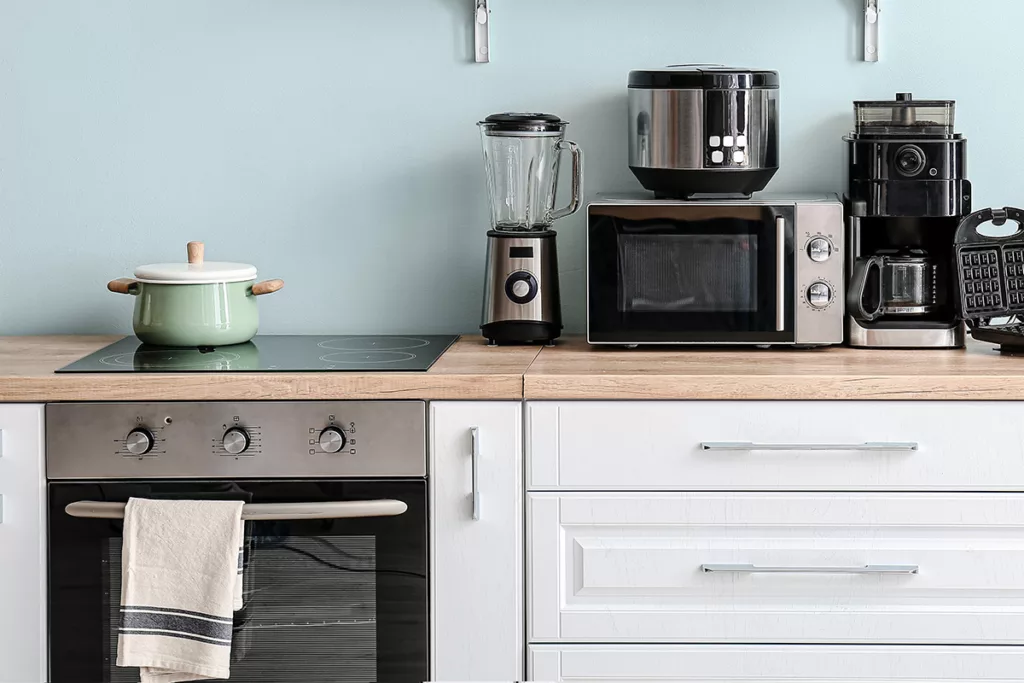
<point>522,154</point>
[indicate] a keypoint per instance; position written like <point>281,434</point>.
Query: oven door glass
<point>340,600</point>
<point>699,274</point>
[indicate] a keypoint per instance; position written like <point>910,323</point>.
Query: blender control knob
<point>521,287</point>
<point>819,249</point>
<point>139,441</point>
<point>819,295</point>
<point>332,440</point>
<point>235,440</point>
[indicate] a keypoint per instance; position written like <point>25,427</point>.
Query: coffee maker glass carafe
<point>522,153</point>
<point>893,285</point>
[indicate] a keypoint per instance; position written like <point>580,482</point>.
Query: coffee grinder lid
<point>904,117</point>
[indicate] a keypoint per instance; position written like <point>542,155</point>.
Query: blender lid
<point>527,123</point>
<point>704,77</point>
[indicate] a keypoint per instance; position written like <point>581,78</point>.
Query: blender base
<point>520,332</point>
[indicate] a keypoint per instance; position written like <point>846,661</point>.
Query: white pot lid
<point>196,272</point>
<point>205,273</point>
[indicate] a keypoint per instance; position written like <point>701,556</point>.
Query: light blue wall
<point>331,142</point>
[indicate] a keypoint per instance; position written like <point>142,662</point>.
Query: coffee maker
<point>905,199</point>
<point>522,153</point>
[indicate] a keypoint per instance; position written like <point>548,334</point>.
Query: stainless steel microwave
<point>763,271</point>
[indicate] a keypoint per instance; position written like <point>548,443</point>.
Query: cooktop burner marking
<point>367,357</point>
<point>170,358</point>
<point>372,343</point>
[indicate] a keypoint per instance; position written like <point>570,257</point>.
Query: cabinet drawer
<point>776,445</point>
<point>787,568</point>
<point>774,663</point>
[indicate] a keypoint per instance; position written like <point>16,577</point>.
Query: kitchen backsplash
<point>332,142</point>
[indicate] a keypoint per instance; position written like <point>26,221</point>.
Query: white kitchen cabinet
<point>775,445</point>
<point>775,663</point>
<point>22,544</point>
<point>844,568</point>
<point>476,529</point>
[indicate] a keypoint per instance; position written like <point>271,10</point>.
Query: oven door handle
<point>264,512</point>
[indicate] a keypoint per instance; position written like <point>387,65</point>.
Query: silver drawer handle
<point>261,512</point>
<point>867,446</point>
<point>755,569</point>
<point>474,432</point>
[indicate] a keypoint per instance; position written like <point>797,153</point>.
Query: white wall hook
<point>482,31</point>
<point>871,30</point>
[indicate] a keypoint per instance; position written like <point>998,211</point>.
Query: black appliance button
<point>970,302</point>
<point>965,259</point>
<point>969,288</point>
<point>975,259</point>
<point>997,301</point>
<point>521,293</point>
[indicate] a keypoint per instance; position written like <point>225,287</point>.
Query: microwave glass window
<point>680,273</point>
<point>309,609</point>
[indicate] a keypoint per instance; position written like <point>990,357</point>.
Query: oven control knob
<point>332,440</point>
<point>235,440</point>
<point>819,249</point>
<point>819,295</point>
<point>139,441</point>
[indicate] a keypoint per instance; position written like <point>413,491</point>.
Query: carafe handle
<point>577,180</point>
<point>858,283</point>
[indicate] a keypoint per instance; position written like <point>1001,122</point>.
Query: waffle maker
<point>990,274</point>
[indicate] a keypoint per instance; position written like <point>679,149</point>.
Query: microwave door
<point>719,278</point>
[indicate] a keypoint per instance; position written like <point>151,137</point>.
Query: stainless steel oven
<point>759,271</point>
<point>334,590</point>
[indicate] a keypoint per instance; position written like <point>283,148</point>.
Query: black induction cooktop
<point>274,353</point>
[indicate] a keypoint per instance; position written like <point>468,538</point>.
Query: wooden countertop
<point>574,370</point>
<point>469,370</point>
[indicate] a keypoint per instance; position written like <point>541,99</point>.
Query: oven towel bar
<point>261,512</point>
<point>181,572</point>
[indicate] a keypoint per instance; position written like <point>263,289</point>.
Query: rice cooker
<point>703,130</point>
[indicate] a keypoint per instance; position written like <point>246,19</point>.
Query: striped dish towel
<point>181,577</point>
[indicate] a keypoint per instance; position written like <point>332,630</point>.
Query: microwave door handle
<point>263,512</point>
<point>780,274</point>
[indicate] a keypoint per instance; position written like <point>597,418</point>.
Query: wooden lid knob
<point>195,253</point>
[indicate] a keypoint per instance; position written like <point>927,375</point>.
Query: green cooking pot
<point>196,303</point>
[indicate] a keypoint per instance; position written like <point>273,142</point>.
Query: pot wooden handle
<point>195,253</point>
<point>267,287</point>
<point>123,285</point>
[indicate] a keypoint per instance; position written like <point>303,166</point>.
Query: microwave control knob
<point>332,440</point>
<point>819,249</point>
<point>139,441</point>
<point>235,441</point>
<point>819,295</point>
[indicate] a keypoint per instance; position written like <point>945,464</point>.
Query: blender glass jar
<point>522,153</point>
